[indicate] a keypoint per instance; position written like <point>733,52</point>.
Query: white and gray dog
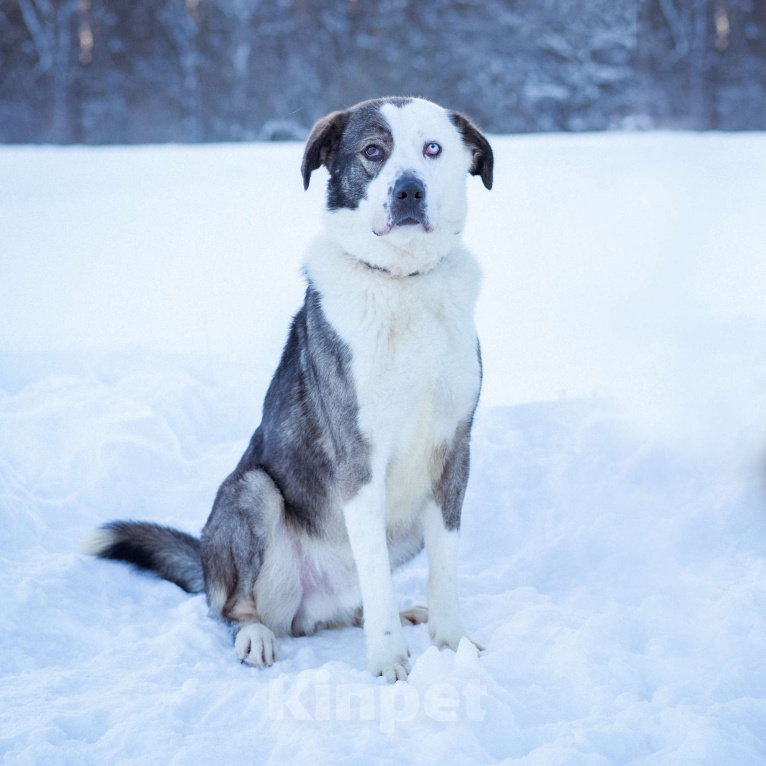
<point>362,454</point>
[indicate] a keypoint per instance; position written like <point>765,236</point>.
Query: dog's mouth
<point>410,218</point>
<point>403,221</point>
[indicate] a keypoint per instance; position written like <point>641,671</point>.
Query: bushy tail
<point>166,552</point>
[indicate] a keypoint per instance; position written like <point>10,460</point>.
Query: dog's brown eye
<point>432,150</point>
<point>374,153</point>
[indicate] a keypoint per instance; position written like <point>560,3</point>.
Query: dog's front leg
<point>387,653</point>
<point>444,622</point>
<point>441,525</point>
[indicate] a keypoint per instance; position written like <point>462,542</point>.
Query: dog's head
<point>396,197</point>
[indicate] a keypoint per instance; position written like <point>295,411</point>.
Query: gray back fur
<point>309,441</point>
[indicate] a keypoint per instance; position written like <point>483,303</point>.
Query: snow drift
<point>613,558</point>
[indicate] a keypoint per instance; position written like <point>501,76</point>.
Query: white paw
<point>393,669</point>
<point>256,645</point>
<point>448,635</point>
<point>389,657</point>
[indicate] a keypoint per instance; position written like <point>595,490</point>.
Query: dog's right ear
<point>483,159</point>
<point>322,144</point>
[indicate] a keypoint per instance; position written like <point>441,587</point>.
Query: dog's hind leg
<point>249,581</point>
<point>415,615</point>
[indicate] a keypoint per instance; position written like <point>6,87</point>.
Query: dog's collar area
<point>385,270</point>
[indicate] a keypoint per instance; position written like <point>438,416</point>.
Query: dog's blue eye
<point>373,152</point>
<point>432,150</point>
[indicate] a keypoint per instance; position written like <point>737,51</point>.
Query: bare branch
<point>40,30</point>
<point>677,27</point>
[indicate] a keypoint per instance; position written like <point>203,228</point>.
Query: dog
<point>362,455</point>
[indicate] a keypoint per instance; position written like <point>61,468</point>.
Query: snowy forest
<point>107,71</point>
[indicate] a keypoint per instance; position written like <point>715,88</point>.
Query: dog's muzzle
<point>408,202</point>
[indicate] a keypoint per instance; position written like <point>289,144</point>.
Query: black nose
<point>409,190</point>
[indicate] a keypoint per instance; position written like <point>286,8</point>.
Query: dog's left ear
<point>483,159</point>
<point>322,143</point>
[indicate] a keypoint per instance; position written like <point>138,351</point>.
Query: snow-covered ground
<point>613,554</point>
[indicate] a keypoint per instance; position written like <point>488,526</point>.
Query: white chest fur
<point>414,360</point>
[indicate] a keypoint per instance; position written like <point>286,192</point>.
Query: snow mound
<point>613,549</point>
